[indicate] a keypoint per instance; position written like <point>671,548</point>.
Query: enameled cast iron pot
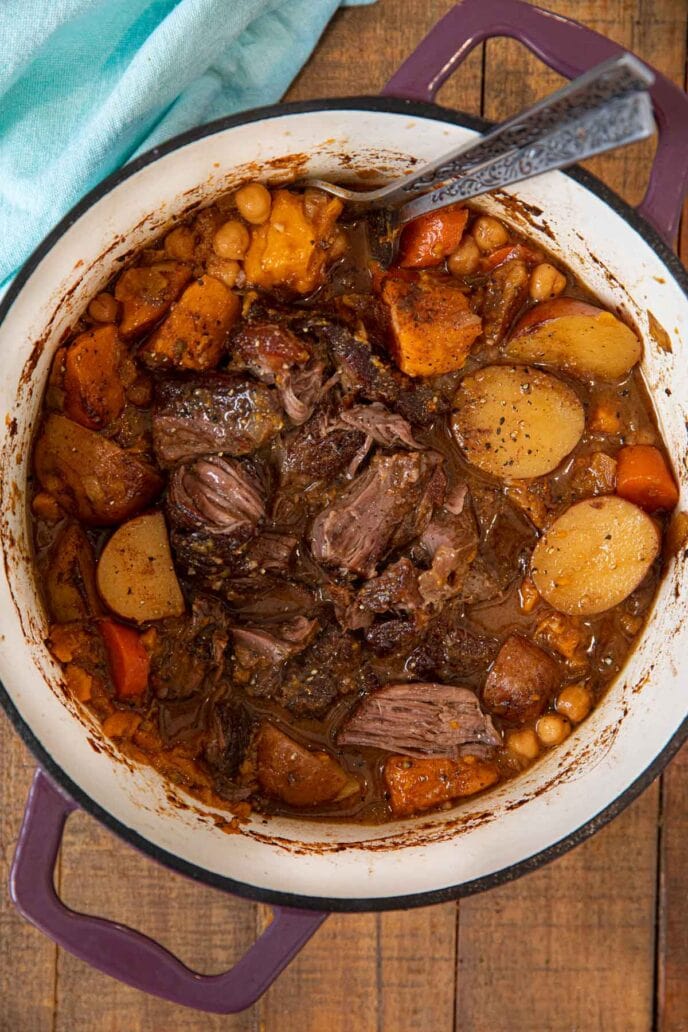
<point>307,869</point>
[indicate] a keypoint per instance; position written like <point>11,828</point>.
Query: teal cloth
<point>87,84</point>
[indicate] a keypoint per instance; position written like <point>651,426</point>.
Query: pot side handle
<point>128,955</point>
<point>570,49</point>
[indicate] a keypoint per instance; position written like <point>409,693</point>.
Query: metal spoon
<point>605,108</point>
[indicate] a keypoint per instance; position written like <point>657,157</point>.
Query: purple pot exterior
<point>570,49</point>
<point>126,954</point>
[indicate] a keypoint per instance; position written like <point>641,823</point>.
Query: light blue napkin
<point>86,84</point>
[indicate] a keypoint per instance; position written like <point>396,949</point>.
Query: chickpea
<point>231,240</point>
<point>574,702</point>
<point>224,269</point>
<point>552,729</point>
<point>465,259</point>
<point>545,281</point>
<point>489,233</point>
<point>523,744</point>
<point>254,203</point>
<point>103,308</point>
<point>180,244</point>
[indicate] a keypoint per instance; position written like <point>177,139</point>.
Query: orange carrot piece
<point>506,253</point>
<point>643,477</point>
<point>146,293</point>
<point>94,394</point>
<point>429,239</point>
<point>129,661</point>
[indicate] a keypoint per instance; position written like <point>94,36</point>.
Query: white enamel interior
<point>598,762</point>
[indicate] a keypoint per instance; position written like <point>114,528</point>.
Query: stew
<point>322,538</point>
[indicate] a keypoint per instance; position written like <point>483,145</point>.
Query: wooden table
<point>597,940</point>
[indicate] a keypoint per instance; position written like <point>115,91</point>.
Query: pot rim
<point>275,897</point>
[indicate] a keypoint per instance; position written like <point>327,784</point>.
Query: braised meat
<point>215,494</point>
<point>421,720</point>
<point>386,507</point>
<point>213,414</point>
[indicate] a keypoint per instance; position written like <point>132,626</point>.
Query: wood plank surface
<point>572,946</point>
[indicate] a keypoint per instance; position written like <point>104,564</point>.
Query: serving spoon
<point>606,108</point>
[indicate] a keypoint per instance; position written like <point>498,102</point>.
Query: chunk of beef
<point>399,634</point>
<point>365,374</point>
<point>420,719</point>
<point>508,544</point>
<point>253,645</point>
<point>267,348</point>
<point>377,422</point>
<point>394,591</point>
<point>214,414</point>
<point>414,785</point>
<point>299,776</point>
<point>189,651</point>
<point>506,291</point>
<point>274,602</point>
<point>452,542</point>
<point>521,682</point>
<point>452,649</point>
<point>385,508</point>
<point>300,391</point>
<point>320,451</point>
<point>331,666</point>
<point>221,496</point>
<point>229,737</point>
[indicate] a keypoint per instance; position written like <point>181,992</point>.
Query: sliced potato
<point>585,341</point>
<point>90,476</point>
<point>594,555</point>
<point>515,422</point>
<point>135,576</point>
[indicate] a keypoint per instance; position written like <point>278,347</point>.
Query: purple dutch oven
<point>306,869</point>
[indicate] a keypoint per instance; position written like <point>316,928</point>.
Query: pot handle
<point>570,49</point>
<point>128,955</point>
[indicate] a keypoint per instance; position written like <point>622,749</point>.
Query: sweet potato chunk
<point>146,293</point>
<point>289,250</point>
<point>299,776</point>
<point>90,476</point>
<point>415,785</point>
<point>70,581</point>
<point>432,325</point>
<point>521,681</point>
<point>193,334</point>
<point>94,394</point>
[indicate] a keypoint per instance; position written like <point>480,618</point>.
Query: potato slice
<point>515,422</point>
<point>585,341</point>
<point>90,476</point>
<point>594,555</point>
<point>136,576</point>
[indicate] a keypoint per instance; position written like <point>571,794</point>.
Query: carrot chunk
<point>420,784</point>
<point>129,661</point>
<point>643,477</point>
<point>94,394</point>
<point>429,239</point>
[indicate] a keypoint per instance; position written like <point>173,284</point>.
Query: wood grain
<point>569,947</point>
